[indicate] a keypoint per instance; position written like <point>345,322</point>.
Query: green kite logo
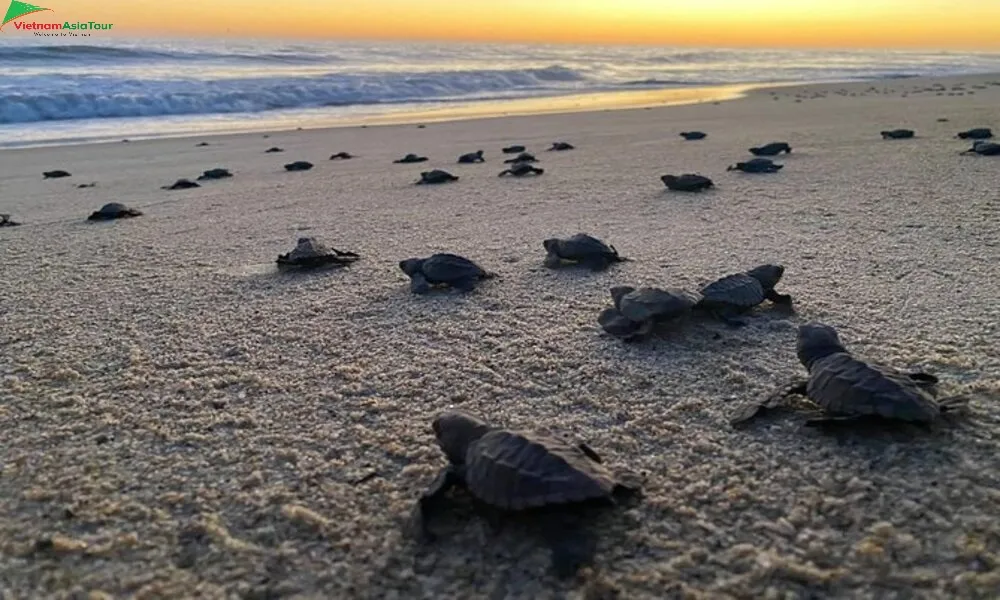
<point>19,9</point>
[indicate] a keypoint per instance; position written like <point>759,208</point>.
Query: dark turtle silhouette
<point>200,144</point>
<point>693,135</point>
<point>309,253</point>
<point>756,165</point>
<point>273,149</point>
<point>522,169</point>
<point>561,147</point>
<point>897,134</point>
<point>55,174</point>
<point>533,474</point>
<point>299,165</point>
<point>523,157</point>
<point>472,157</point>
<point>637,311</point>
<point>738,293</point>
<point>513,149</point>
<point>984,149</point>
<point>5,221</point>
<point>114,210</point>
<point>87,185</point>
<point>771,149</point>
<point>850,389</point>
<point>436,176</point>
<point>215,174</point>
<point>443,269</point>
<point>688,182</point>
<point>410,158</point>
<point>181,184</point>
<point>581,249</point>
<point>978,133</point>
<point>342,156</point>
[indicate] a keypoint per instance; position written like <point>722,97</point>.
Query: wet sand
<point>180,420</point>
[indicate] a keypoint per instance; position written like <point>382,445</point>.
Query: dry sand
<point>180,421</point>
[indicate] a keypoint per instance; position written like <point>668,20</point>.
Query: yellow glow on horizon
<point>761,23</point>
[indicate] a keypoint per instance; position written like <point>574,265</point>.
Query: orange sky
<point>767,23</point>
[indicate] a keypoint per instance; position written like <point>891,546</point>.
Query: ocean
<point>112,89</point>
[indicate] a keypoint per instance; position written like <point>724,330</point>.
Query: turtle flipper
<point>590,452</point>
<point>777,298</point>
<point>952,403</point>
<point>552,260</point>
<point>430,502</point>
<point>571,546</point>
<point>597,263</point>
<point>729,318</point>
<point>465,284</point>
<point>778,398</point>
<point>923,379</point>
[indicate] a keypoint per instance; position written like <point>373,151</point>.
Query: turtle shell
<point>844,385</point>
<point>515,471</point>
<point>114,210</point>
<point>582,246</point>
<point>646,304</point>
<point>739,290</point>
<point>688,182</point>
<point>445,268</point>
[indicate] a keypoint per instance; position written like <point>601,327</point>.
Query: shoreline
<point>616,100</point>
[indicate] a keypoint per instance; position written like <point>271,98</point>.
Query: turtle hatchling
<point>410,158</point>
<point>341,156</point>
<point>513,149</point>
<point>299,165</point>
<point>849,389</point>
<point>181,184</point>
<point>309,253</point>
<point>688,182</point>
<point>772,149</point>
<point>273,149</point>
<point>114,210</point>
<point>637,311</point>
<point>978,133</point>
<point>984,149</point>
<point>472,157</point>
<point>756,165</point>
<point>535,475</point>
<point>521,170</point>
<point>581,249</point>
<point>523,157</point>
<point>738,293</point>
<point>561,147</point>
<point>897,134</point>
<point>693,135</point>
<point>215,174</point>
<point>443,270</point>
<point>436,176</point>
<point>5,221</point>
<point>55,174</point>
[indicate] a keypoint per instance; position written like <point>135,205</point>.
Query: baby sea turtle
<point>181,184</point>
<point>410,158</point>
<point>523,157</point>
<point>521,170</point>
<point>87,185</point>
<point>55,174</point>
<point>693,135</point>
<point>561,147</point>
<point>309,253</point>
<point>984,149</point>
<point>201,144</point>
<point>519,471</point>
<point>756,165</point>
<point>443,269</point>
<point>688,182</point>
<point>114,210</point>
<point>513,149</point>
<point>341,156</point>
<point>771,149</point>
<point>5,221</point>
<point>849,389</point>
<point>299,165</point>
<point>638,311</point>
<point>436,176</point>
<point>472,157</point>
<point>736,294</point>
<point>215,174</point>
<point>978,133</point>
<point>273,149</point>
<point>581,249</point>
<point>897,134</point>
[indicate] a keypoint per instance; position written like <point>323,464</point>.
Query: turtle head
<point>767,275</point>
<point>668,179</point>
<point>479,153</point>
<point>619,292</point>
<point>551,244</point>
<point>411,266</point>
<point>456,431</point>
<point>816,341</point>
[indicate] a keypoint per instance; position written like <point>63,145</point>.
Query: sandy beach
<point>179,420</point>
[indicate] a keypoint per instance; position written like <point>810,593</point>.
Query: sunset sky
<point>767,23</point>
